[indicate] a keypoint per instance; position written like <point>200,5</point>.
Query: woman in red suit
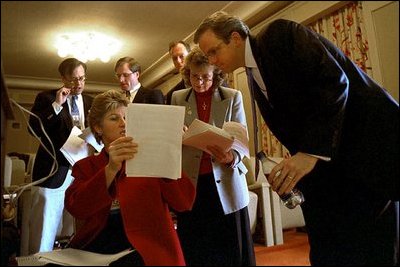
<point>119,212</point>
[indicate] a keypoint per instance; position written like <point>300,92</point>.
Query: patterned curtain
<point>345,28</point>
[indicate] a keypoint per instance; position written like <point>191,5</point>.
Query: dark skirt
<point>209,237</point>
<point>112,239</point>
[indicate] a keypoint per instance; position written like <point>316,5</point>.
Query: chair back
<point>7,171</point>
<point>17,171</point>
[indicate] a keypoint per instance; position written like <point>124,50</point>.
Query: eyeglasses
<point>125,75</point>
<point>214,50</point>
<point>202,79</point>
<point>77,80</point>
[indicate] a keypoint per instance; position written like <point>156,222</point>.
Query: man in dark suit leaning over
<point>59,110</point>
<point>178,50</point>
<point>127,71</point>
<point>341,127</point>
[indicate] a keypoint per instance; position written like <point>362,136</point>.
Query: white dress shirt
<point>134,91</point>
<point>79,101</point>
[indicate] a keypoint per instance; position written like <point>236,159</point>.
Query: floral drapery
<point>345,28</point>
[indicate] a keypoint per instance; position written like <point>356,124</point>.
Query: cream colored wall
<point>169,84</point>
<point>18,138</point>
<point>382,25</point>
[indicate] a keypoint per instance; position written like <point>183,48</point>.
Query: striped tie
<point>75,112</point>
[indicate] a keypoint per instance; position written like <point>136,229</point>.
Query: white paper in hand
<point>157,130</point>
<point>88,136</point>
<point>233,135</point>
<point>75,148</point>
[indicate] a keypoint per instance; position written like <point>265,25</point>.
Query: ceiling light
<point>87,46</point>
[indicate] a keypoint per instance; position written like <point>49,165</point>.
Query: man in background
<point>127,71</point>
<point>59,110</point>
<point>178,51</point>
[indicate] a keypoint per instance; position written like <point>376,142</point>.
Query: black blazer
<point>58,127</point>
<point>321,103</point>
<point>149,96</point>
<point>179,86</point>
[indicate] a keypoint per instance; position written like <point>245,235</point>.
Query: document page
<point>158,131</point>
<point>232,135</point>
<point>88,136</point>
<point>71,257</point>
<point>75,148</point>
<point>239,132</point>
<point>200,135</point>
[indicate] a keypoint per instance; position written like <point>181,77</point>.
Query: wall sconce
<point>87,46</point>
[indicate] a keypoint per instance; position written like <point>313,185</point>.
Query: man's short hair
<point>174,43</point>
<point>68,65</point>
<point>133,64</point>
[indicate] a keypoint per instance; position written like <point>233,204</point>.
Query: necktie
<point>128,94</point>
<point>75,112</point>
<point>250,81</point>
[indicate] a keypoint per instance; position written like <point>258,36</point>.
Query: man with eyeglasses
<point>59,110</point>
<point>341,127</point>
<point>127,71</point>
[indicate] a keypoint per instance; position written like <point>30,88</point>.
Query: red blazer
<point>144,208</point>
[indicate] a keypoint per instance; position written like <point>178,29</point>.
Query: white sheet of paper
<point>158,131</point>
<point>70,256</point>
<point>232,135</point>
<point>88,136</point>
<point>75,148</point>
<point>239,132</point>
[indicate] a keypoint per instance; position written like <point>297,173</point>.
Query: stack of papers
<point>233,135</point>
<point>76,147</point>
<point>70,257</point>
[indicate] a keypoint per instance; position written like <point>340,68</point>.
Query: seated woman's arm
<point>88,194</point>
<point>179,194</point>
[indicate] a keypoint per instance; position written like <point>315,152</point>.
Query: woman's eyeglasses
<point>202,79</point>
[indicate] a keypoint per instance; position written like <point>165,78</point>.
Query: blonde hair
<point>102,104</point>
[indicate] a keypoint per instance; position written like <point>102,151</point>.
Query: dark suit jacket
<point>320,102</point>
<point>58,127</point>
<point>179,86</point>
<point>149,96</point>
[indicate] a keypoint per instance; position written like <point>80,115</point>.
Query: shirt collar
<point>135,88</point>
<point>79,97</point>
<point>249,60</point>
